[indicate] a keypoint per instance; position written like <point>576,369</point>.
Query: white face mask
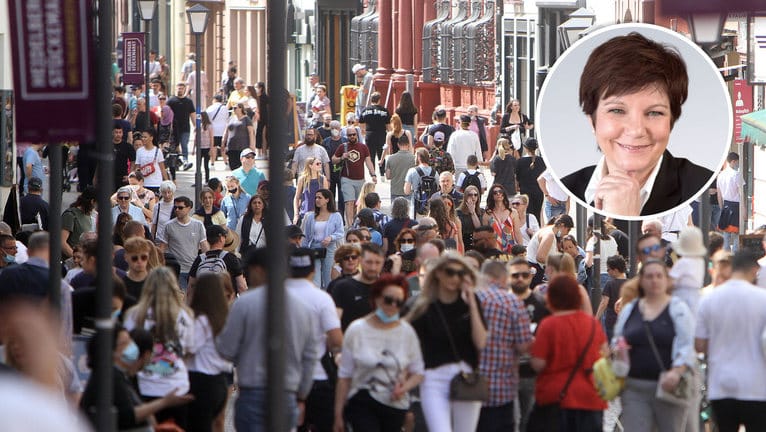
<point>335,133</point>
<point>406,247</point>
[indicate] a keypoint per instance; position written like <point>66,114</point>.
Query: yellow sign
<point>347,101</point>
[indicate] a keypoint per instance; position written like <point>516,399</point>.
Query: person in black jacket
<point>631,90</point>
<point>32,204</point>
<point>375,117</point>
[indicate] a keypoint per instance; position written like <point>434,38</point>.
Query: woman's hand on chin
<point>618,194</point>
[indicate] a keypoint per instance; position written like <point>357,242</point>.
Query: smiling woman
<point>631,91</point>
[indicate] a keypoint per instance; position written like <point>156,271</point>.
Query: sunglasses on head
<point>524,275</point>
<point>390,301</point>
<point>649,249</point>
<point>407,240</point>
<point>135,258</point>
<point>452,272</point>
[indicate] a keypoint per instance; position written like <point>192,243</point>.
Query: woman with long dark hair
<point>515,125</point>
<point>206,140</point>
<point>448,230</point>
<point>251,226</point>
<point>207,368</point>
<point>470,214</point>
<point>323,231</point>
<point>77,219</point>
<point>408,113</point>
<point>503,218</point>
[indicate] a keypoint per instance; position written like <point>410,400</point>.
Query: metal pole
<point>54,223</point>
<point>276,127</point>
<point>581,222</point>
<point>595,294</point>
<point>106,419</point>
<point>634,228</point>
<point>148,123</point>
<point>197,129</point>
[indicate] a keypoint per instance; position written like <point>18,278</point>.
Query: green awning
<point>754,127</point>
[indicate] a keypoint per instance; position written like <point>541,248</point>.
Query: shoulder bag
<point>465,386</point>
<point>681,395</point>
<point>545,418</point>
<point>148,169</point>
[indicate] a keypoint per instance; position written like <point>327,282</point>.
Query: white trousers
<point>442,414</point>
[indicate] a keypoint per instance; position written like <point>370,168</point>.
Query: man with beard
<point>307,150</point>
<point>509,337</point>
<point>521,277</point>
<point>353,157</point>
<point>183,116</point>
<point>485,242</point>
<point>331,144</point>
<point>352,295</point>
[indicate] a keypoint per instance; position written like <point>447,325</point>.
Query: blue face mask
<point>385,318</point>
<point>116,314</point>
<point>10,259</point>
<point>130,353</point>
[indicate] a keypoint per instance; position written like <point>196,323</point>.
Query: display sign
<point>133,58</point>
<point>756,52</point>
<point>52,75</point>
<point>742,101</point>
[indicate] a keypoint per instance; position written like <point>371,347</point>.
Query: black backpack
<point>471,180</point>
<point>425,189</point>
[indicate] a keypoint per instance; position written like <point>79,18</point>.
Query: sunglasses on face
<point>250,156</point>
<point>452,272</point>
<point>497,192</point>
<point>135,258</point>
<point>649,249</point>
<point>123,198</point>
<point>366,238</point>
<point>180,207</point>
<point>523,275</point>
<point>471,194</point>
<point>350,257</point>
<point>407,240</point>
<point>350,134</point>
<point>515,204</point>
<point>390,301</point>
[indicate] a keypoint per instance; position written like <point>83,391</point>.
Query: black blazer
<point>677,181</point>
<point>481,123</point>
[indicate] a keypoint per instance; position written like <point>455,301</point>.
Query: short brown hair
<point>630,63</point>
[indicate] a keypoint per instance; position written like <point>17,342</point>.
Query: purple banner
<point>133,58</point>
<point>52,75</point>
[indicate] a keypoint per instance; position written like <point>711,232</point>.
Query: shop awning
<point>754,127</point>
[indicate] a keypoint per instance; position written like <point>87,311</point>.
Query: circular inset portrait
<point>634,120</point>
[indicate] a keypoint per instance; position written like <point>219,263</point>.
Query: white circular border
<point>571,126</point>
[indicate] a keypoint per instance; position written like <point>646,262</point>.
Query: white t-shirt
<point>375,358</point>
<point>463,143</point>
<point>167,369</point>
<point>154,156</point>
<point>324,312</point>
<point>257,233</point>
<point>533,225</point>
<point>608,248</point>
<point>689,277</point>
<point>553,188</point>
<point>162,213</point>
<point>732,318</point>
<point>218,117</point>
<point>205,358</point>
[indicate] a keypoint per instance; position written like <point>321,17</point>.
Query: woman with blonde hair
<point>563,264</point>
<point>529,223</point>
<point>309,182</point>
<point>161,311</point>
<point>503,166</point>
<point>448,320</point>
<point>366,188</point>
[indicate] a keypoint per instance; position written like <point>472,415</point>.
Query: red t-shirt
<point>559,341</point>
<point>353,167</point>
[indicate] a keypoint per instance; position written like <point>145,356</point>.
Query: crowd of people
<point>471,305</point>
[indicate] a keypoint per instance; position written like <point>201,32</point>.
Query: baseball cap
<point>293,231</point>
<point>531,143</point>
<point>301,259</point>
<point>439,136</point>
<point>246,152</point>
<point>35,184</point>
<point>357,67</point>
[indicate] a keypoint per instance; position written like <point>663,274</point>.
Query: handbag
<point>320,253</point>
<point>607,384</point>
<point>680,395</point>
<point>148,169</point>
<point>545,418</point>
<point>465,386</point>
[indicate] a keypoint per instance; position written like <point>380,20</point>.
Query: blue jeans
<point>730,241</point>
<point>554,210</point>
<point>183,139</point>
<point>323,267</point>
<point>250,410</point>
<point>183,281</point>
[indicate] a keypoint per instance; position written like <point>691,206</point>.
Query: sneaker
<point>187,165</point>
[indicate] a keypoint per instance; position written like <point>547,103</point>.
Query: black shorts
<point>217,141</point>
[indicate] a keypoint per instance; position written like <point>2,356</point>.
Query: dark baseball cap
<point>35,184</point>
<point>301,259</point>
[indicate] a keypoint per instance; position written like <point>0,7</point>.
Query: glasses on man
<point>123,198</point>
<point>136,258</point>
<point>250,156</point>
<point>522,275</point>
<point>649,249</point>
<point>390,301</point>
<point>180,207</point>
<point>350,134</point>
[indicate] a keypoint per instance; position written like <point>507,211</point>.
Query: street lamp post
<point>198,16</point>
<point>146,9</point>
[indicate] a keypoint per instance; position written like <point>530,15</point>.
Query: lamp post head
<point>146,9</point>
<point>198,17</point>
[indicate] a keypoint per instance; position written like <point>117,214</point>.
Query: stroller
<point>69,171</point>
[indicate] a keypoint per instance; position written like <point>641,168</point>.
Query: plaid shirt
<point>508,327</point>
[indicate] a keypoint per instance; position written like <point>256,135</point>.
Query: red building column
<point>406,37</point>
<point>384,38</point>
<point>417,46</point>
